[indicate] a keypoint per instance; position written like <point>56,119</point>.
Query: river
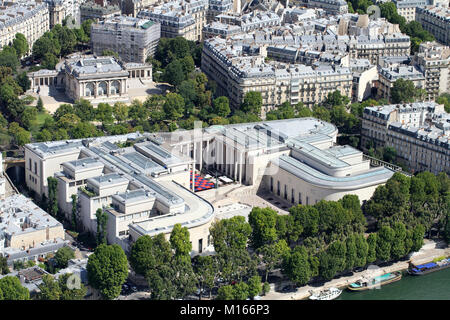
<point>432,286</point>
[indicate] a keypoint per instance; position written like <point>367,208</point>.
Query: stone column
<point>241,166</point>
<point>235,158</point>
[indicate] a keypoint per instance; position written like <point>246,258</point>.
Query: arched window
<point>102,89</point>
<point>115,87</point>
<point>89,89</point>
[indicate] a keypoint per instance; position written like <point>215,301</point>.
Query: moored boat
<point>365,284</point>
<point>328,294</point>
<point>429,267</point>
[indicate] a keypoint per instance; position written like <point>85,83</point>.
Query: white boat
<point>329,294</point>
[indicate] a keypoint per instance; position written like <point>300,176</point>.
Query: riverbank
<point>428,252</point>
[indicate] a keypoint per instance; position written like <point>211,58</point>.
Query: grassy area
<point>37,124</point>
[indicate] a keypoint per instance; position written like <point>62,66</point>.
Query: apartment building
<point>388,76</point>
<point>436,20</point>
<point>419,132</point>
<point>407,8</point>
<point>238,69</point>
<point>26,231</point>
<point>133,7</point>
<point>364,76</point>
<point>433,60</point>
<point>180,18</point>
<point>26,17</point>
<point>329,6</point>
<point>61,9</point>
<point>133,39</point>
<point>95,12</point>
<point>218,7</point>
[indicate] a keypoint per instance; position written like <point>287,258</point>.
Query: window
<point>271,184</point>
<point>35,167</point>
<point>285,192</point>
<point>292,196</point>
<point>307,200</point>
<point>200,245</point>
<point>299,198</point>
<point>278,187</point>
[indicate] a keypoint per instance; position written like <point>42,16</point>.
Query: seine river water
<point>432,286</point>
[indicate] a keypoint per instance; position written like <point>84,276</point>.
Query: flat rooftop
<point>198,212</point>
<point>318,178</point>
<point>19,214</point>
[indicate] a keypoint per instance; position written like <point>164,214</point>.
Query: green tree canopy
<point>107,270</point>
<point>11,289</point>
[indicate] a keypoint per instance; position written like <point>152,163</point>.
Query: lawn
<point>40,119</point>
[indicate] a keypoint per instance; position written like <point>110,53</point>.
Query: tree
<point>403,91</point>
<point>68,121</point>
<point>49,288</point>
<point>389,154</point>
<point>86,26</point>
<point>108,52</point>
<point>149,253</point>
<point>188,91</point>
<point>362,250</point>
<point>63,256</point>
<point>263,222</point>
<point>272,255</point>
<point>174,73</point>
<point>11,289</point>
<point>174,106</point>
<point>84,110</point>
<point>120,111</point>
<point>230,233</point>
<point>49,61</point>
<point>335,98</point>
<point>20,44</point>
<point>372,247</point>
<point>385,238</point>
<point>225,293</point>
<point>63,110</point>
<point>20,135</point>
<point>40,104</point>
<point>179,241</point>
<point>240,291</point>
<point>338,251</point>
<point>52,196</point>
<point>351,252</point>
<point>74,212</point>
<point>3,265</point>
<point>417,237</point>
<point>252,102</point>
<point>107,270</point>
<point>72,292</point>
<point>205,270</point>
<point>398,249</point>
<point>307,217</point>
<point>104,113</point>
<point>84,130</point>
<point>28,116</point>
<point>221,106</point>
<point>102,221</point>
<point>230,237</point>
<point>24,82</point>
<point>296,266</point>
<point>8,58</point>
<point>172,281</point>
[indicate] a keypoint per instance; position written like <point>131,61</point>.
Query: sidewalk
<point>426,254</point>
